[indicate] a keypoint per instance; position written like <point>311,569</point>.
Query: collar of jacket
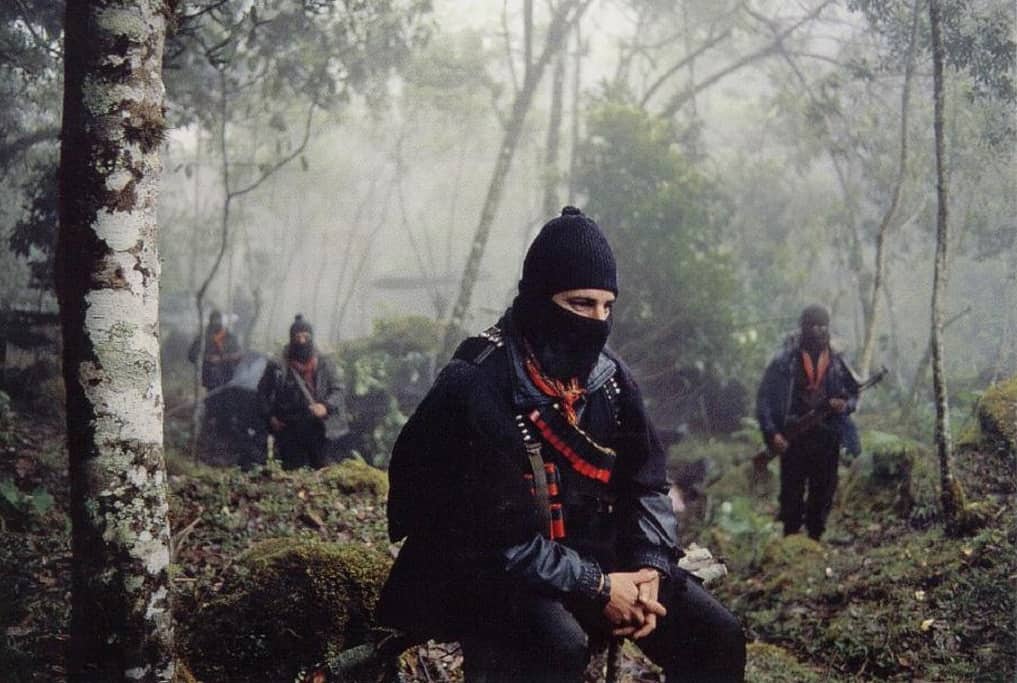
<point>524,393</point>
<point>792,344</point>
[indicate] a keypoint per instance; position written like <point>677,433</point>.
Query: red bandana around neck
<point>569,392</point>
<point>219,339</point>
<point>306,370</point>
<point>814,375</point>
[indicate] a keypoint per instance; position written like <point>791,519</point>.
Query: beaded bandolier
<point>565,467</point>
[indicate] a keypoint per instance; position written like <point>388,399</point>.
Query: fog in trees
<point>381,167</point>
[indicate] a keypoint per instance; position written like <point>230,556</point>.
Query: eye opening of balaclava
<point>570,252</point>
<point>301,351</point>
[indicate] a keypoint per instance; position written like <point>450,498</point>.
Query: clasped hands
<point>633,609</point>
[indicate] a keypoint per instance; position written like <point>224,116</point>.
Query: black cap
<point>570,252</point>
<point>300,325</point>
<point>814,315</point>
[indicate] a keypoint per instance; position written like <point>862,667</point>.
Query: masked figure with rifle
<point>803,406</point>
<point>302,400</point>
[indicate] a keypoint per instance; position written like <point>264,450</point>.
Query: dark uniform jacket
<point>776,402</point>
<point>226,352</point>
<point>281,397</point>
<point>460,496</point>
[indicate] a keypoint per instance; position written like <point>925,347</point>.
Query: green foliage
<point>997,417</point>
<point>774,664</point>
<point>742,533</point>
<point>20,509</point>
<point>977,37</point>
<point>34,235</point>
<point>894,478</point>
<point>662,216</point>
<point>387,374</point>
<point>450,77</point>
<point>319,52</point>
<point>286,604</point>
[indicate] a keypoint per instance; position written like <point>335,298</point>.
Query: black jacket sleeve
<point>648,528</point>
<point>457,473</point>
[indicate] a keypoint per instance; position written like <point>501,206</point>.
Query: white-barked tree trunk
<point>108,288</point>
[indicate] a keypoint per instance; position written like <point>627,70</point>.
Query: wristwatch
<point>604,590</point>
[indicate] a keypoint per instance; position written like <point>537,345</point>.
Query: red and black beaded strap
<point>586,456</point>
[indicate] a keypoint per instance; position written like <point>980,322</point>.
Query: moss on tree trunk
<point>107,285</point>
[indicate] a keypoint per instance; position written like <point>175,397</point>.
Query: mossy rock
<point>746,480</point>
<point>997,416</point>
<point>286,605</point>
<point>356,476</point>
<point>891,475</point>
<point>774,664</point>
<point>792,562</point>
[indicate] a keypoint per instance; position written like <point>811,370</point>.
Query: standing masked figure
<point>533,473</point>
<point>302,401</point>
<point>222,353</point>
<point>808,374</point>
<point>218,363</point>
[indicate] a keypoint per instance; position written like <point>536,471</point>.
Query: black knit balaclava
<point>214,321</point>
<point>297,351</point>
<point>570,252</point>
<point>815,340</point>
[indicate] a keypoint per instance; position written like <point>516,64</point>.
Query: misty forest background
<point>380,167</point>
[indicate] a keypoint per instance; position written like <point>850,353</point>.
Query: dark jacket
<point>220,358</point>
<point>281,397</point>
<point>459,495</point>
<point>775,396</point>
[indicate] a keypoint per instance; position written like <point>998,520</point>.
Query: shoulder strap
<point>613,390</point>
<point>477,349</point>
<point>535,459</point>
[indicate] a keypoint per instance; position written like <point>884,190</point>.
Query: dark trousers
<point>303,444</point>
<point>534,638</point>
<point>808,481</point>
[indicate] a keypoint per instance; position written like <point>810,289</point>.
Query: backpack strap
<point>477,349</point>
<point>535,458</point>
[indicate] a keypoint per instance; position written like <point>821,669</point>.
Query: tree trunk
<point>107,284</point>
<point>879,269</point>
<point>922,369</point>
<point>567,15</point>
<point>950,494</point>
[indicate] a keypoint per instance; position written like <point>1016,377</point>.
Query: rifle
<point>809,420</point>
<point>336,426</point>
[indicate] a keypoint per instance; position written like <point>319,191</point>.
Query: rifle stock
<point>812,418</point>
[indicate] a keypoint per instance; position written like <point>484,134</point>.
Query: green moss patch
<point>356,476</point>
<point>925,607</point>
<point>776,665</point>
<point>286,604</point>
<point>893,478</point>
<point>997,416</point>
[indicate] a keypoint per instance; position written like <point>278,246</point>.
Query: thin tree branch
<point>681,64</point>
<point>681,98</point>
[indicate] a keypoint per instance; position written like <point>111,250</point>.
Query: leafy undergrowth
<point>217,514</point>
<point>886,596</point>
<point>35,550</point>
